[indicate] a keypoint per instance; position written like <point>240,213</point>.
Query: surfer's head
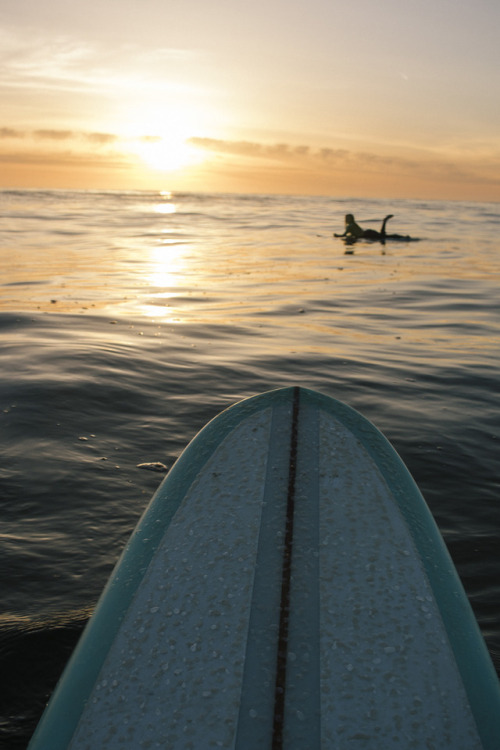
<point>349,218</point>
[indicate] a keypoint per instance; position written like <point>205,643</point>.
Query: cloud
<point>326,163</point>
<point>53,159</point>
<point>59,134</point>
<point>65,63</point>
<point>101,138</point>
<point>53,135</point>
<point>285,152</point>
<point>37,60</point>
<point>278,151</point>
<point>11,133</point>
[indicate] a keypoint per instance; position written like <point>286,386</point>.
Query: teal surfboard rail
<point>474,663</point>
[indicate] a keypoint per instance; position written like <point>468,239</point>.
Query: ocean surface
<point>129,319</point>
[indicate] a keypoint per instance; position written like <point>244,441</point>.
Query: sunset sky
<point>394,98</point>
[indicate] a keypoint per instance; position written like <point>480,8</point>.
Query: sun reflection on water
<point>165,208</point>
<point>166,278</point>
<point>167,265</point>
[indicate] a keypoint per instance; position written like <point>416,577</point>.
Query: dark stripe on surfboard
<point>282,652</point>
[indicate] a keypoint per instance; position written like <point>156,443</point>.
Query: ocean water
<point>129,319</point>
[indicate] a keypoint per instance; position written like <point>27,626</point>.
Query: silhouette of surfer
<point>353,232</point>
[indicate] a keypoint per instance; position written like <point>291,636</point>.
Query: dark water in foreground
<point>128,320</point>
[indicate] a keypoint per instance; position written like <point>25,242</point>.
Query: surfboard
<point>287,587</point>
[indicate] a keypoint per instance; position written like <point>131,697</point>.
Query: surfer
<point>354,232</point>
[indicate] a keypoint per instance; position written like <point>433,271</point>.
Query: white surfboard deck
<point>286,588</point>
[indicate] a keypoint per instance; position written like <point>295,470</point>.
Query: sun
<point>160,138</point>
<point>168,153</point>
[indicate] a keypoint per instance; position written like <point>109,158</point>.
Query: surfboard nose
<point>286,588</point>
